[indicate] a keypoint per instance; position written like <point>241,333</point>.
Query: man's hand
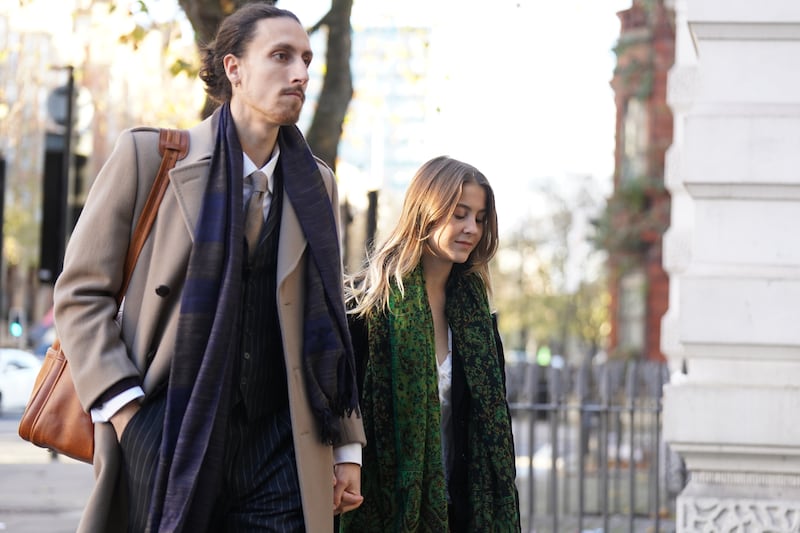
<point>121,418</point>
<point>346,487</point>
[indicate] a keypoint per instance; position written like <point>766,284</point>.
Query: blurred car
<point>18,371</point>
<point>42,334</point>
<point>43,341</point>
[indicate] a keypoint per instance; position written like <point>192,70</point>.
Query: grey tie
<point>254,217</point>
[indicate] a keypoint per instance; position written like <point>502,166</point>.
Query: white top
<point>445,372</point>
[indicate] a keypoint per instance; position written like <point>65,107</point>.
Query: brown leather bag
<point>54,417</point>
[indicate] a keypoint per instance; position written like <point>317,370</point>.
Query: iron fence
<point>590,453</point>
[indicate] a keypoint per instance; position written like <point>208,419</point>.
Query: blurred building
<point>638,211</point>
<point>25,81</point>
<point>120,77</point>
<point>385,128</point>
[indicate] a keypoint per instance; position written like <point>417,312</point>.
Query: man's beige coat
<point>102,350</point>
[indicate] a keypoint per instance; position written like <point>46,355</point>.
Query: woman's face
<point>454,240</point>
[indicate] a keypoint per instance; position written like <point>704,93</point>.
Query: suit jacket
<point>102,351</point>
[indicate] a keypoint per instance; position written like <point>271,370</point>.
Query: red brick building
<point>638,211</point>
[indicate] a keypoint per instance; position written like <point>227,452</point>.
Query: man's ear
<point>231,64</point>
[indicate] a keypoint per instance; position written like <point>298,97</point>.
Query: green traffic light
<point>16,329</point>
<point>543,356</point>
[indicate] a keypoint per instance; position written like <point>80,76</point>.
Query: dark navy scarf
<point>207,340</point>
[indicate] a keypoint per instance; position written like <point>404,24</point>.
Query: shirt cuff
<point>348,453</point>
<point>105,411</point>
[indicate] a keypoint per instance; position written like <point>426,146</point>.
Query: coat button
<point>162,290</point>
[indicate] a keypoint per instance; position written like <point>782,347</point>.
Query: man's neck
<point>256,138</point>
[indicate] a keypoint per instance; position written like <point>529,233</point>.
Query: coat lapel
<point>292,242</point>
<point>189,178</point>
<point>189,184</point>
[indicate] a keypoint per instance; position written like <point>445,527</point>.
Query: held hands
<point>346,487</point>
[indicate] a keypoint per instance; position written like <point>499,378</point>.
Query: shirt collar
<point>269,168</point>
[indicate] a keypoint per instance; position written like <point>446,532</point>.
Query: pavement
<point>39,492</point>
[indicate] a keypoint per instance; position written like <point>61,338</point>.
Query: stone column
<point>733,255</point>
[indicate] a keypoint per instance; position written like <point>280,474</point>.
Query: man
<point>227,376</point>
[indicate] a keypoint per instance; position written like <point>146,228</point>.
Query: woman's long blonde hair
<point>430,201</point>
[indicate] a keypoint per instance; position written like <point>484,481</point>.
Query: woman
<point>440,453</point>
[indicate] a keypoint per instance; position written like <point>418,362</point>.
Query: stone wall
<point>733,256</point>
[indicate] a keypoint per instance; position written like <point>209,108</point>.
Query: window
<point>634,141</point>
<point>631,312</point>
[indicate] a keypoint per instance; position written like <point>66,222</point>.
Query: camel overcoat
<point>104,348</point>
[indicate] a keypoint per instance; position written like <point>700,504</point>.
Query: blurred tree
<point>548,292</point>
<point>337,88</point>
<point>591,323</point>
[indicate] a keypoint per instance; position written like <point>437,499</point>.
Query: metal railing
<point>590,453</point>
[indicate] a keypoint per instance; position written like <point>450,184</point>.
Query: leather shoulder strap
<point>173,145</point>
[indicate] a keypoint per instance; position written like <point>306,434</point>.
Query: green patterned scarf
<point>402,476</point>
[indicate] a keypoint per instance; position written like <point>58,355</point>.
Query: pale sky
<point>524,84</point>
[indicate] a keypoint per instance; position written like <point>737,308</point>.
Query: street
<point>38,494</point>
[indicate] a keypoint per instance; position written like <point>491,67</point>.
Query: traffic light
<point>16,322</point>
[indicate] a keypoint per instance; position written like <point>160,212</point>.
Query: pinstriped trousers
<point>259,492</point>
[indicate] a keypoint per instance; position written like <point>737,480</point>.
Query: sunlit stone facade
<point>733,257</point>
